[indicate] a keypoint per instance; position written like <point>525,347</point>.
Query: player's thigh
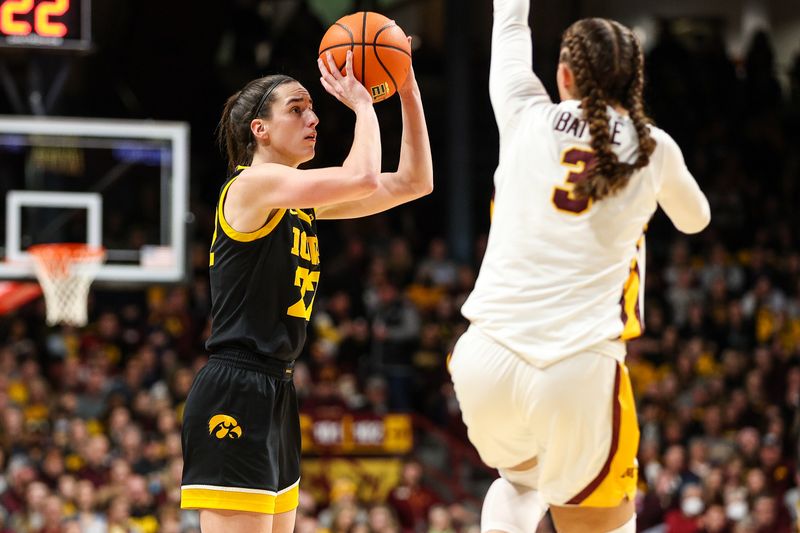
<point>221,521</point>
<point>574,519</point>
<point>490,383</point>
<point>284,522</point>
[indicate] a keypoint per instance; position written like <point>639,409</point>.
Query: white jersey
<point>562,275</point>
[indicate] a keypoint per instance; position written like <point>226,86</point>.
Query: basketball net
<point>65,271</point>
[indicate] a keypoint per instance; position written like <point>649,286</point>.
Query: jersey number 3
<point>577,160</point>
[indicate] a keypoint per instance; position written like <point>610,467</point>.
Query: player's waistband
<point>276,368</point>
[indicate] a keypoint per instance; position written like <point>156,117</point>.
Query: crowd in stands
<point>90,417</point>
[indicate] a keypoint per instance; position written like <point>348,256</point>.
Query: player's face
<point>293,126</point>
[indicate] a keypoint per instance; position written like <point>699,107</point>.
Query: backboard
<point>120,184</point>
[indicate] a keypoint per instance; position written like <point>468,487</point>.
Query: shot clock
<point>53,24</point>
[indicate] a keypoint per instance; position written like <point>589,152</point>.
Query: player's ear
<point>259,128</point>
<point>566,81</point>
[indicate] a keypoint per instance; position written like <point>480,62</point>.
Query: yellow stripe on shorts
<point>233,499</point>
<point>617,479</point>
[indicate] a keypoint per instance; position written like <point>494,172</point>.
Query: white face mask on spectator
<point>692,506</point>
<point>736,510</point>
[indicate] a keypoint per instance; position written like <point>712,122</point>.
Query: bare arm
<point>680,195</point>
<point>512,82</point>
<point>414,175</point>
<point>262,188</point>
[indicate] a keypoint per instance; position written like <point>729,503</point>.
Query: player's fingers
<point>326,74</point>
<point>328,87</point>
<point>348,64</point>
<point>334,70</point>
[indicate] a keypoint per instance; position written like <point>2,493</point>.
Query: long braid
<point>594,104</point>
<point>608,66</point>
<point>635,105</point>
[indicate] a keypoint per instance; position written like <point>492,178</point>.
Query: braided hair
<point>608,64</point>
<point>253,101</point>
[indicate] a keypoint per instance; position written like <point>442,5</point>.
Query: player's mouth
<point>312,137</point>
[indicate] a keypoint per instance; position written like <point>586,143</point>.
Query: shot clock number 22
<point>45,24</point>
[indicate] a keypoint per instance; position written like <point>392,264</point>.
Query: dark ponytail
<point>607,62</point>
<point>253,101</point>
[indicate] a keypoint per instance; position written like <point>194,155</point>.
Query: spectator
<point>714,521</point>
<point>686,519</point>
<point>439,520</point>
<point>437,266</point>
<point>410,498</point>
<point>767,518</point>
<point>381,519</point>
<point>89,519</point>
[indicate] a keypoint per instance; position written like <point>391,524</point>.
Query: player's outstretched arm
<point>273,186</point>
<point>414,175</point>
<point>512,82</point>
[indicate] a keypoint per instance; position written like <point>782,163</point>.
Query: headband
<point>266,95</point>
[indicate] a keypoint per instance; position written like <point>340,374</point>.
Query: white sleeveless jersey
<point>562,275</point>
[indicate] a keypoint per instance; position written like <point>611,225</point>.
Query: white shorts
<point>576,416</point>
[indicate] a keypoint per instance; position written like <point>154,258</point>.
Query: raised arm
<point>512,82</point>
<point>414,175</point>
<point>264,187</point>
<point>680,196</point>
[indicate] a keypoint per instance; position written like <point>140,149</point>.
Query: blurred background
<point>90,416</point>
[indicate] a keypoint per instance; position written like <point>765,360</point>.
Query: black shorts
<point>241,436</point>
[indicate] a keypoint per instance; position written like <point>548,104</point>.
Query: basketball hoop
<point>65,271</point>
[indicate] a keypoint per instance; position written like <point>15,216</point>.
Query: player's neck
<point>619,108</point>
<point>271,157</point>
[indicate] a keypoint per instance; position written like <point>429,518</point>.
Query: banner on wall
<point>355,434</point>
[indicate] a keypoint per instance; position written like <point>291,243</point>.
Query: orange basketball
<point>381,53</point>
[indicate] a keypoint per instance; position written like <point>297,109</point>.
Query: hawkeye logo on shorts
<point>224,427</point>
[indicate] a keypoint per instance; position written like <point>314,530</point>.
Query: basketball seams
<point>386,70</point>
<point>378,57</point>
<point>364,51</point>
<point>348,30</point>
<point>375,42</point>
<point>377,45</point>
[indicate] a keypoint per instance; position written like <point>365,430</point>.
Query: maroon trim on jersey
<point>624,314</point>
<point>590,488</point>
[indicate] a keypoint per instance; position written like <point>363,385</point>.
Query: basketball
<point>381,51</point>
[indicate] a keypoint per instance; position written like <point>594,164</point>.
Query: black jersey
<point>263,283</point>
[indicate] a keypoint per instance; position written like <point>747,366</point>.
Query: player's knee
<point>574,519</point>
<point>511,508</point>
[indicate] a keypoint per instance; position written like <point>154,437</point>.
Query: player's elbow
<point>424,185</point>
<point>366,183</point>
<point>427,188</point>
<point>697,223</point>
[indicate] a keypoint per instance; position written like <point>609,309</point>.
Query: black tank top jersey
<point>263,283</point>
